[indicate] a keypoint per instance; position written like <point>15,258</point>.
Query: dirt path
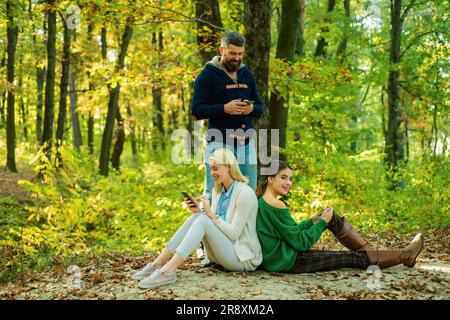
<point>430,280</point>
<point>108,277</point>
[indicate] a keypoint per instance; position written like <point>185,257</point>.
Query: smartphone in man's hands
<point>190,199</point>
<point>249,101</point>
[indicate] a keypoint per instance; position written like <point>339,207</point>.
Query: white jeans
<point>199,227</point>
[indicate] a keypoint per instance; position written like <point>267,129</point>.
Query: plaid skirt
<point>321,260</point>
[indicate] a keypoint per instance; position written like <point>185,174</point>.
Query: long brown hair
<point>264,180</point>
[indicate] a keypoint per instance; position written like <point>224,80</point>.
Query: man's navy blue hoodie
<point>213,88</point>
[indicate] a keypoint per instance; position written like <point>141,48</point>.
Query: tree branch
<point>414,40</point>
<point>410,6</point>
<point>415,95</point>
<point>407,9</point>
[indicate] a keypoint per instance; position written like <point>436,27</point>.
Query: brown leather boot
<point>390,258</point>
<point>350,238</point>
<point>413,250</point>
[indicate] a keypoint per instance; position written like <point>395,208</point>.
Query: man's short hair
<point>232,37</point>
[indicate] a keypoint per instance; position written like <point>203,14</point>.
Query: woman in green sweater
<point>286,244</point>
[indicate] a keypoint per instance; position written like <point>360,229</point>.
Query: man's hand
<point>236,108</point>
<point>247,109</point>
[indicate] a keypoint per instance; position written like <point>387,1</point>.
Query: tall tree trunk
<point>340,57</point>
<point>3,99</point>
<point>321,52</point>
<point>290,16</point>
<point>63,87</point>
<point>90,121</point>
<point>435,110</point>
<point>113,105</point>
<point>132,130</point>
<point>40,76</point>
<point>300,42</point>
<point>383,117</point>
<point>76,130</point>
<point>120,140</point>
<point>22,108</point>
<point>40,80</point>
<point>322,43</point>
<point>342,48</point>
<point>47,133</point>
<point>394,139</point>
<point>257,15</point>
<point>300,53</point>
<point>73,100</point>
<point>158,125</point>
<point>407,139</point>
<point>12,33</point>
<point>208,11</point>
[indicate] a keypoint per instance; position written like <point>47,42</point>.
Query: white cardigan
<point>240,224</point>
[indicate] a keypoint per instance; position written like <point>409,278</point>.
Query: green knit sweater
<point>282,238</point>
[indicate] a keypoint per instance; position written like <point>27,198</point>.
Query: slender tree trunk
<point>113,105</point>
<point>290,16</point>
<point>299,54</point>
<point>257,15</point>
<point>394,142</point>
<point>435,128</point>
<point>90,121</point>
<point>63,86</point>
<point>343,44</point>
<point>40,76</point>
<point>22,108</point>
<point>158,124</point>
<point>407,139</point>
<point>40,80</point>
<point>383,118</point>
<point>190,124</point>
<point>47,133</point>
<point>132,130</point>
<point>120,140</point>
<point>300,42</point>
<point>322,43</point>
<point>76,130</point>
<point>340,57</point>
<point>3,99</point>
<point>185,108</point>
<point>104,46</point>
<point>12,34</point>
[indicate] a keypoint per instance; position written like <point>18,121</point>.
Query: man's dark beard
<point>231,68</point>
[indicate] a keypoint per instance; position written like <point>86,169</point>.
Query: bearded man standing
<point>226,94</point>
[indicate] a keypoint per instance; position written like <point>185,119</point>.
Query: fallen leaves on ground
<point>108,277</point>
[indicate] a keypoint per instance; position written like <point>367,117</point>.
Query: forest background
<point>91,92</point>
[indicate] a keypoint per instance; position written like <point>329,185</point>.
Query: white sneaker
<point>158,278</point>
<point>145,272</point>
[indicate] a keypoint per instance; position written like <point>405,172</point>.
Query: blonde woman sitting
<point>227,228</point>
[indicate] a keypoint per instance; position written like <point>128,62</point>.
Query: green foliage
<point>335,126</point>
<point>77,211</point>
<point>355,186</point>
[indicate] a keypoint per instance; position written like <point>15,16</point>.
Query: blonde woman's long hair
<point>226,157</point>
